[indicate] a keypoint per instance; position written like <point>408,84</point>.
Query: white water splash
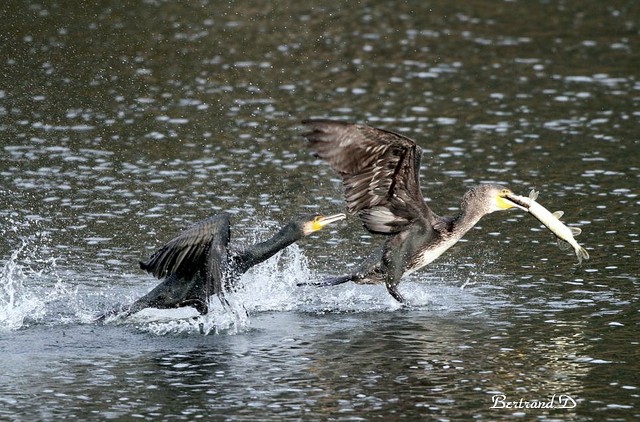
<point>29,284</point>
<point>16,303</point>
<point>269,287</point>
<point>218,320</point>
<point>273,287</point>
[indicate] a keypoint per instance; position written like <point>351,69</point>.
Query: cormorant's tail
<point>331,281</point>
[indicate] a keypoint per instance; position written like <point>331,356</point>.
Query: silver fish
<point>552,221</point>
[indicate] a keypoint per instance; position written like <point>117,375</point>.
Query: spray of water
<point>273,286</point>
<point>29,284</point>
<point>16,303</point>
<point>29,294</point>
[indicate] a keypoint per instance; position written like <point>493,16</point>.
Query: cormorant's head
<point>313,223</point>
<point>489,198</point>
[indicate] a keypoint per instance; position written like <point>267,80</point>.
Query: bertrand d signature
<point>557,401</point>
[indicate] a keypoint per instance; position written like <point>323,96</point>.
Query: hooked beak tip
<point>321,222</point>
<point>333,218</point>
<point>514,200</point>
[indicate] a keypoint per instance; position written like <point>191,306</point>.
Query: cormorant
<point>199,262</point>
<point>380,174</point>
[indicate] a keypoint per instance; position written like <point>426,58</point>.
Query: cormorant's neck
<point>262,251</point>
<point>465,221</point>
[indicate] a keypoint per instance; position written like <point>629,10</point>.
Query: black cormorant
<point>380,174</point>
<point>199,262</point>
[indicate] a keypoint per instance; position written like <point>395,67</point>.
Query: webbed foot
<point>393,291</point>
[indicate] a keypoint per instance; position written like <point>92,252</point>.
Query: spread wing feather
<point>188,252</point>
<point>379,170</point>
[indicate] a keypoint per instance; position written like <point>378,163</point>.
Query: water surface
<point>120,124</point>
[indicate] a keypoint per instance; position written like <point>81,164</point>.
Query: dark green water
<point>121,123</point>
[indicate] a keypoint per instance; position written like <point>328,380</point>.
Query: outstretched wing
<point>191,250</point>
<point>379,169</point>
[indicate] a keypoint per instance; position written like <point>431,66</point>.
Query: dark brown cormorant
<point>199,262</point>
<point>380,174</point>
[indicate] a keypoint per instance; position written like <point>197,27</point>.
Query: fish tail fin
<point>581,253</point>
